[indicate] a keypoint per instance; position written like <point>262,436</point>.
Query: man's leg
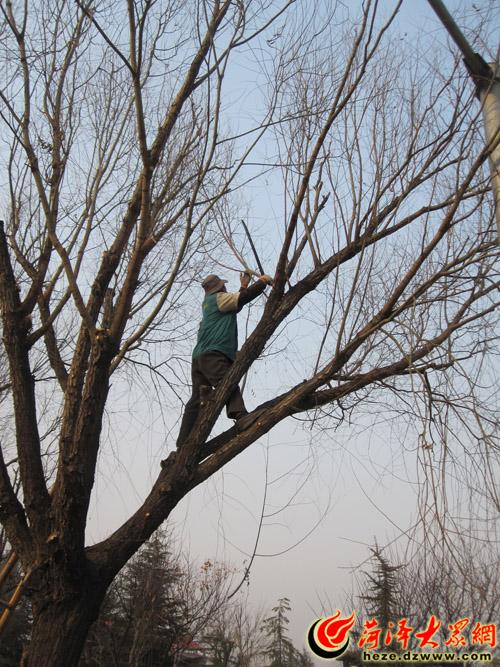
<point>193,405</point>
<point>214,366</point>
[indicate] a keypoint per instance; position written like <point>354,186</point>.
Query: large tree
<point>127,159</point>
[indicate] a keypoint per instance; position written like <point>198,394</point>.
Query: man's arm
<point>250,292</point>
<point>234,301</point>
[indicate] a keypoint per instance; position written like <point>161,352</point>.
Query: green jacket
<point>218,330</point>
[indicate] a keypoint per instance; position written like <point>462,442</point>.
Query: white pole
<point>490,99</point>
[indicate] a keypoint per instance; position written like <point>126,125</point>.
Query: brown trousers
<point>207,371</point>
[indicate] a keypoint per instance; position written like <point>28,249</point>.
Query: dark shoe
<point>244,422</point>
<point>237,415</point>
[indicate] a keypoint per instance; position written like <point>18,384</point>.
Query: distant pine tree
<point>380,601</point>
<point>143,617</point>
<point>280,650</point>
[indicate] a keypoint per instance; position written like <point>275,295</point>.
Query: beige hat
<point>212,284</point>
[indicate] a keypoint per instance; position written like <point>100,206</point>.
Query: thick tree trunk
<point>60,629</point>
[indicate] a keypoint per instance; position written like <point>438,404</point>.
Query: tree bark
<point>60,629</point>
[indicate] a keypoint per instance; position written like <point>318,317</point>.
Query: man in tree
<point>216,348</point>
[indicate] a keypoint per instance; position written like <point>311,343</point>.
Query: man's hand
<point>244,280</point>
<point>266,279</point>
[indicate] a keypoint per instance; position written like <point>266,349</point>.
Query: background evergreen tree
<point>280,651</point>
<point>143,617</point>
<point>381,598</point>
<point>158,604</point>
